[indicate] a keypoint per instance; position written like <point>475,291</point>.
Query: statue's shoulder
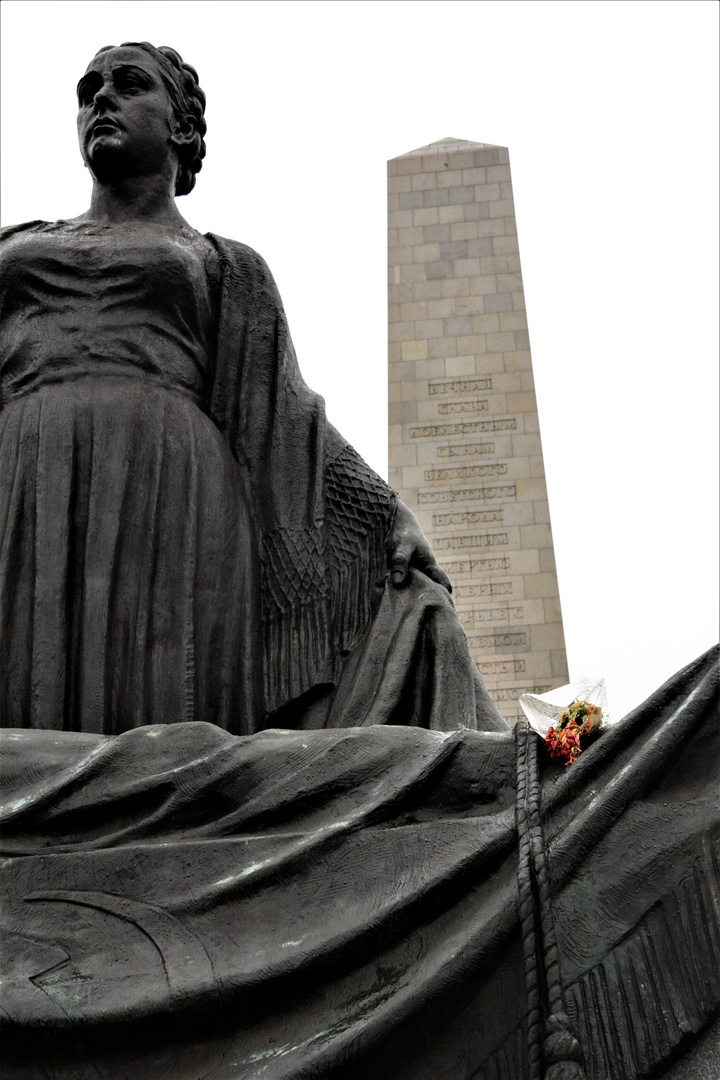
<point>245,268</point>
<point>237,253</point>
<point>12,230</point>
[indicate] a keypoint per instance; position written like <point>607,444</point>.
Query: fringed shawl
<point>322,514</point>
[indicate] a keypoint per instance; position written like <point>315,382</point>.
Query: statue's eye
<point>87,89</point>
<point>129,82</point>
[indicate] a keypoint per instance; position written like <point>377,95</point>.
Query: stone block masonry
<point>465,450</point>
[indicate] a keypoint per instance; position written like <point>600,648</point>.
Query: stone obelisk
<point>465,451</point>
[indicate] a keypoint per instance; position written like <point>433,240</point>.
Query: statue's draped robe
<point>324,518</point>
<point>184,536</point>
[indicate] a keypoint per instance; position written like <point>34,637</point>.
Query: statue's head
<point>149,98</point>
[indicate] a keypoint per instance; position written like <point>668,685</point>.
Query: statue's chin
<point>105,138</point>
<point>106,161</point>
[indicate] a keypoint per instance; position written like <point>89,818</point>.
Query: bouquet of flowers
<point>562,726</point>
<point>580,718</point>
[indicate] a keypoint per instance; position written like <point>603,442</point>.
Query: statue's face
<point>125,116</point>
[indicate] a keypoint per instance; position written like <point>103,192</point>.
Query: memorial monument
<point>465,451</point>
<point>260,817</point>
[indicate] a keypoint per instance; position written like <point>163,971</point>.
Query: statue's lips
<point>101,127</point>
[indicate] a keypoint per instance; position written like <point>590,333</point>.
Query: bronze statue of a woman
<point>184,536</point>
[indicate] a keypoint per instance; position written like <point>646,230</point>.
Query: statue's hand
<point>408,546</point>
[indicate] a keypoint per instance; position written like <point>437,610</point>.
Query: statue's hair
<point>188,99</point>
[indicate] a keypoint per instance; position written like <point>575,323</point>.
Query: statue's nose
<point>105,97</point>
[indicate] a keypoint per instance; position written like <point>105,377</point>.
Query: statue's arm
<point>408,546</point>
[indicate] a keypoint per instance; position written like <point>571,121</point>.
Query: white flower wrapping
<point>544,711</point>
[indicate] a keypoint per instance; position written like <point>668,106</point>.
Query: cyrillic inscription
<point>478,616</point>
<point>486,588</point>
<point>447,408</point>
<point>517,638</point>
<point>467,566</point>
<point>466,472</point>
<point>466,450</point>
<point>433,431</point>
<point>468,517</point>
<point>502,667</point>
<point>504,491</point>
<point>488,540</point>
<point>459,386</point>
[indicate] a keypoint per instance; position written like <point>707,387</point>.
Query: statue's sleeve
<point>322,514</point>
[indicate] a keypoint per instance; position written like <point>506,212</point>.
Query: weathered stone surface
<point>456,300</point>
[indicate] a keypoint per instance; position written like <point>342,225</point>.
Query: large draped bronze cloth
<point>184,903</point>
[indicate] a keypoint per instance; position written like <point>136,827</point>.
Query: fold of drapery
<point>310,489</point>
<point>343,903</point>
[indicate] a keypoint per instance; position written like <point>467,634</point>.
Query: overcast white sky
<point>610,113</point>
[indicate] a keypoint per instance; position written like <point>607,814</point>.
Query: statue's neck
<point>134,199</point>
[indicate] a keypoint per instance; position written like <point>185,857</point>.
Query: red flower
<point>564,744</point>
